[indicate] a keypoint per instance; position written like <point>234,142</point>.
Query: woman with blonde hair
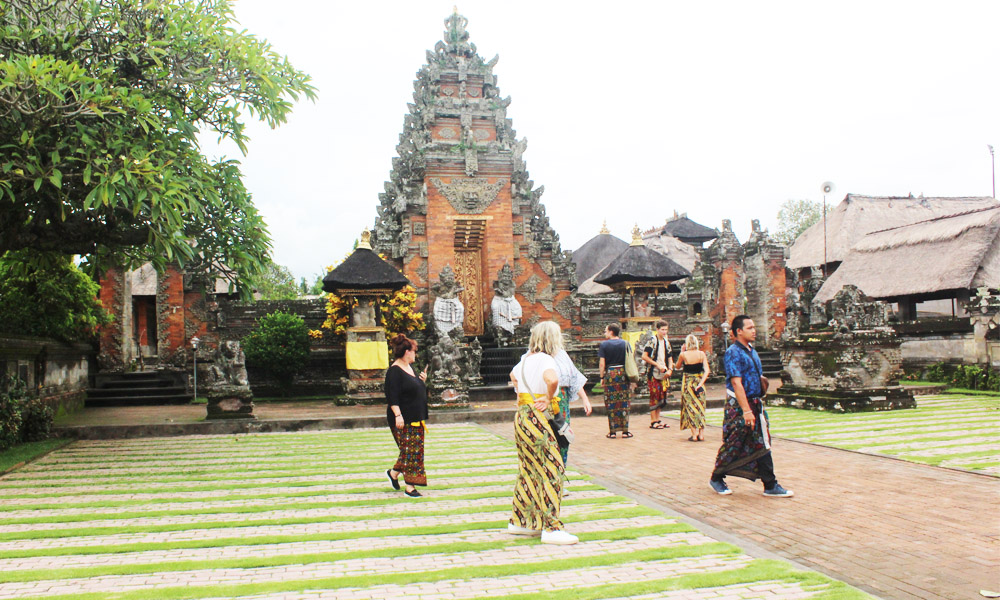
<point>696,371</point>
<point>538,493</point>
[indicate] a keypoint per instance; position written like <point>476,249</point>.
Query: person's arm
<point>646,359</point>
<point>587,408</point>
<point>551,379</point>
<point>393,395</point>
<point>741,398</point>
<point>706,370</point>
<point>601,367</point>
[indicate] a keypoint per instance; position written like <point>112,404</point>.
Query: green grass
<point>27,452</point>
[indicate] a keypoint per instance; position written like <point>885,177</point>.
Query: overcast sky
<point>634,110</point>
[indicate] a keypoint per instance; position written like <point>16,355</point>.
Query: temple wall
<point>56,372</point>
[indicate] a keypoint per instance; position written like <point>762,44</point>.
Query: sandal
<point>611,435</point>
<point>657,425</point>
<point>692,439</point>
<point>626,435</point>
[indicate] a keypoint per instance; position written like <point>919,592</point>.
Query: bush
<point>11,399</point>
<point>936,373</point>
<point>36,420</point>
<point>279,346</point>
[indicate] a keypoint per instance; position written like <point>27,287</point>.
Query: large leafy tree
<point>101,103</point>
<point>275,282</point>
<point>795,216</point>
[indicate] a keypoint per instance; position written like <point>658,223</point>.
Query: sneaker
<point>720,487</point>
<point>392,481</point>
<point>778,492</point>
<point>559,537</point>
<point>413,493</point>
<point>517,530</point>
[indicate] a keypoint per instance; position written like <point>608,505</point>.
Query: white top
<point>530,379</point>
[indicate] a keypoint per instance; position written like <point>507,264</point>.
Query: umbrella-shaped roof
<point>640,265</point>
<point>686,230</point>
<point>364,272</point>
<point>597,253</point>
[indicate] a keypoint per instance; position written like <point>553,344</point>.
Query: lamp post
<point>725,333</point>
<point>993,160</point>
<point>194,345</point>
<point>827,189</point>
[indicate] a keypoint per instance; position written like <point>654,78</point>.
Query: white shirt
<point>530,378</point>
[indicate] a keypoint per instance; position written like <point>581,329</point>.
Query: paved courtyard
<point>309,515</point>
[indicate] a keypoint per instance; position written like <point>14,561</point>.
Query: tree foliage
<point>275,282</point>
<point>279,346</point>
<point>795,216</point>
<point>48,297</point>
<point>101,102</point>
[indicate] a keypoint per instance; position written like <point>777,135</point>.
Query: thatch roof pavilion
<point>642,268</point>
<point>857,216</point>
<point>937,258</point>
<point>364,273</point>
<point>596,253</point>
<point>687,231</point>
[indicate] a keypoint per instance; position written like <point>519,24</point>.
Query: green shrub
<point>936,373</point>
<point>278,346</point>
<point>11,398</point>
<point>36,420</point>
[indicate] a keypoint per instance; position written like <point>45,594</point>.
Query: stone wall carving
<point>469,196</point>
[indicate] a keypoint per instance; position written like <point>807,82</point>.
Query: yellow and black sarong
<point>538,493</point>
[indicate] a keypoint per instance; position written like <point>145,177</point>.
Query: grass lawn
<point>22,453</point>
<point>949,430</point>
<point>311,515</point>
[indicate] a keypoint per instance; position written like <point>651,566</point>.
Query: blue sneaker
<point>778,492</point>
<point>720,487</point>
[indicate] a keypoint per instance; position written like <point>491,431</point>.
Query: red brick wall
<point>170,312</point>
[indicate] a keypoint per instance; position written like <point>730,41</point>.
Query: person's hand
<point>749,419</point>
<point>541,404</point>
<point>423,375</point>
<point>661,366</point>
<point>587,408</point>
<point>399,422</point>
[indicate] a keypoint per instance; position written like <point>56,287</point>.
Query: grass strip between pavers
<point>121,530</point>
<point>260,508</point>
<point>304,558</point>
<point>362,581</point>
<point>620,513</point>
<point>756,572</point>
<point>21,454</point>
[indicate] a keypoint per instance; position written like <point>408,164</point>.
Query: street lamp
<point>993,160</point>
<point>725,333</point>
<point>194,345</point>
<point>827,189</point>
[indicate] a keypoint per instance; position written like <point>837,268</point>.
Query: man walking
<point>746,436</point>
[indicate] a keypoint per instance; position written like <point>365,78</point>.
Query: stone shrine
<point>459,195</point>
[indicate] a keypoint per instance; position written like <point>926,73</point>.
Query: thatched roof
<point>935,256</point>
<point>364,271</point>
<point>640,264</point>
<point>591,288</point>
<point>676,250</point>
<point>686,230</point>
<point>596,254</point>
<point>857,216</point>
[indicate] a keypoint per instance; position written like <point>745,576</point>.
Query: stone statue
<point>449,313</point>
<point>363,313</point>
<point>448,383</point>
<point>228,390</point>
<point>505,309</point>
<point>473,354</point>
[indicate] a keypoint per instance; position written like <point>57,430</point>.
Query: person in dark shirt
<point>746,436</point>
<point>406,397</point>
<point>617,388</point>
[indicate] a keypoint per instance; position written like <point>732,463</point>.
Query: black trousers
<point>765,468</point>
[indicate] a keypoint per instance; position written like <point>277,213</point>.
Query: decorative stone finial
<point>637,236</point>
<point>366,240</point>
<point>604,228</point>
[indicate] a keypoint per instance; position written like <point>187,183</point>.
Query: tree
<point>279,346</point>
<point>795,216</point>
<point>48,297</point>
<point>275,282</point>
<point>101,102</point>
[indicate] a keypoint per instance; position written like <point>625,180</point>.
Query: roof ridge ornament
<point>637,236</point>
<point>366,240</point>
<point>604,228</point>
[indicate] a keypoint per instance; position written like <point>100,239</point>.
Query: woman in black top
<point>406,397</point>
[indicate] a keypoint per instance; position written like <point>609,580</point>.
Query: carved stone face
<point>504,285</point>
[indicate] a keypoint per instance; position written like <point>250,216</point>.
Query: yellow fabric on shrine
<point>632,337</point>
<point>367,355</point>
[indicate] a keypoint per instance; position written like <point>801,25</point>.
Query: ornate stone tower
<point>459,194</point>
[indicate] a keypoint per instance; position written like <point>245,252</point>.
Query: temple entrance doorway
<point>469,234</point>
<point>144,325</point>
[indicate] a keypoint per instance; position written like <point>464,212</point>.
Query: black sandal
<point>627,434</point>
<point>611,435</point>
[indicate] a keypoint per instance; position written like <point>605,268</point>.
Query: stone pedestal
<point>365,386</point>
<point>229,402</point>
<point>843,372</point>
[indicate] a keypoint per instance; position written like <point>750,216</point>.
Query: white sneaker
<point>516,530</point>
<point>559,537</point>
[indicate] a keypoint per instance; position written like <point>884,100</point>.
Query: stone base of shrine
<point>447,398</point>
<point>843,401</point>
<point>364,386</point>
<point>229,402</point>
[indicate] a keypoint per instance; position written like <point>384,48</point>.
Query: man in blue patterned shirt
<point>746,436</point>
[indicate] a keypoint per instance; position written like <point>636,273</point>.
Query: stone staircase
<point>497,363</point>
<point>137,389</point>
<point>771,361</point>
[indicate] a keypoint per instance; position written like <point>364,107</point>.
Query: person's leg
<point>765,468</point>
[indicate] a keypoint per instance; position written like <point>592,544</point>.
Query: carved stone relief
<point>419,228</point>
<point>469,196</point>
<point>529,289</point>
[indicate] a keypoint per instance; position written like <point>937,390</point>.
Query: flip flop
<point>611,436</point>
<point>692,439</point>
<point>627,434</point>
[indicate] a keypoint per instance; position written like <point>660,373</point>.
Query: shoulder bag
<point>631,369</point>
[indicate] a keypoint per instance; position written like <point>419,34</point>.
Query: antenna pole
<point>824,236</point>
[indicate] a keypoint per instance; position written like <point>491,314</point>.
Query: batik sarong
<point>658,389</point>
<point>564,409</point>
<point>742,447</point>
<point>410,440</point>
<point>692,402</point>
<point>538,493</point>
<point>617,398</point>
